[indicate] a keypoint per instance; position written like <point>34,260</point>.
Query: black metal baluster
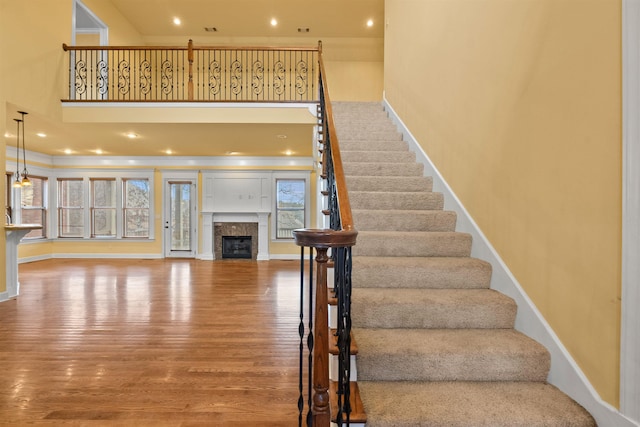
<point>301,334</point>
<point>310,341</point>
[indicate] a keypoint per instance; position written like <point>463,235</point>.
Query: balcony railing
<point>192,74</point>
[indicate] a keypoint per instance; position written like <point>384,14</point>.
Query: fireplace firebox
<point>236,247</point>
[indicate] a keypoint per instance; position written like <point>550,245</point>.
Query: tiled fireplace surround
<point>216,225</point>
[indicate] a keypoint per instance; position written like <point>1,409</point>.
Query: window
<point>290,206</point>
<point>136,203</point>
<point>103,207</point>
<point>70,207</point>
<point>33,206</point>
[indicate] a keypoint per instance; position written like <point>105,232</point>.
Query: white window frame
<point>118,176</point>
<point>291,175</point>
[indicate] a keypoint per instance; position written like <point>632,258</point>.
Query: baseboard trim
<point>565,372</point>
<point>4,296</point>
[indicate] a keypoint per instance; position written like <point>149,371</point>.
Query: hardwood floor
<point>151,342</point>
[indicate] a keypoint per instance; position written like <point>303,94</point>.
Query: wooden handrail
<point>346,217</point>
<point>67,47</point>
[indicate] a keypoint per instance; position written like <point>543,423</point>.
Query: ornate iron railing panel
<point>192,74</point>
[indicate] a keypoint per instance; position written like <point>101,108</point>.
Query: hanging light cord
<point>17,183</point>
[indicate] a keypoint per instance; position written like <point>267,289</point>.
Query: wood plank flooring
<point>151,342</point>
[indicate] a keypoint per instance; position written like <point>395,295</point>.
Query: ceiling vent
<point>211,29</point>
<point>303,30</point>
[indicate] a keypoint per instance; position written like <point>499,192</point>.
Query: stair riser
<point>433,309</point>
<point>416,245</point>
<point>369,136</point>
<point>378,157</point>
<point>385,169</point>
<point>389,183</point>
<point>385,201</point>
<point>452,367</point>
<point>367,145</point>
<point>370,220</point>
<point>463,273</point>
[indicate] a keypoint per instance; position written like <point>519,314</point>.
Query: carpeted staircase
<point>436,346</point>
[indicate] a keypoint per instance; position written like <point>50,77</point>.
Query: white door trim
<point>629,337</point>
<point>186,176</point>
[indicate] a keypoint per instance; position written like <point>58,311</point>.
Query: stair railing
<point>191,74</point>
<point>340,237</point>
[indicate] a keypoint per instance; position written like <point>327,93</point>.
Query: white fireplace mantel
<point>208,218</point>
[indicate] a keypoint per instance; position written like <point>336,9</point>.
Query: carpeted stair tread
<point>396,200</point>
<point>389,183</point>
<point>404,220</point>
<point>449,355</point>
<point>367,145</point>
<point>412,243</point>
<point>378,156</point>
<point>383,169</point>
<point>466,404</point>
<point>393,308</point>
<point>419,272</point>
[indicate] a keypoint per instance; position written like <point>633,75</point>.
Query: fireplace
<point>240,238</point>
<point>216,225</point>
<point>236,247</point>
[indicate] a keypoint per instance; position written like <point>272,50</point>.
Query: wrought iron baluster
<point>310,342</point>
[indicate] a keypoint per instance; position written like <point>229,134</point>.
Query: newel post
<point>320,403</point>
<point>190,58</point>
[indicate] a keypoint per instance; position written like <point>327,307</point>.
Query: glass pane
<point>71,194</point>
<point>180,216</point>
<point>288,221</point>
<point>104,222</point>
<point>136,193</point>
<point>71,222</point>
<point>33,196</point>
<point>136,223</point>
<point>290,193</point>
<point>34,216</point>
<point>104,193</point>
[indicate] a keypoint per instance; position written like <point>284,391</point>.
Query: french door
<point>180,219</point>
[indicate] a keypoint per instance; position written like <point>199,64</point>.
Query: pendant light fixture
<point>25,175</point>
<point>16,183</point>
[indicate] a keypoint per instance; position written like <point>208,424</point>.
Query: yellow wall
<point>519,106</point>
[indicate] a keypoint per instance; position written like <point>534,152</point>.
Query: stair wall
<point>565,372</point>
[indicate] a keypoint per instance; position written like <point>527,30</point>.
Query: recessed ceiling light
<point>98,151</point>
<point>177,21</point>
<point>274,22</point>
<point>68,151</point>
<point>7,135</point>
<point>281,136</point>
<point>232,153</point>
<point>41,134</point>
<point>288,152</point>
<point>131,135</point>
<point>370,23</point>
<point>168,151</point>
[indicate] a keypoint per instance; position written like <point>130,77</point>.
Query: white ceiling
<point>233,19</point>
